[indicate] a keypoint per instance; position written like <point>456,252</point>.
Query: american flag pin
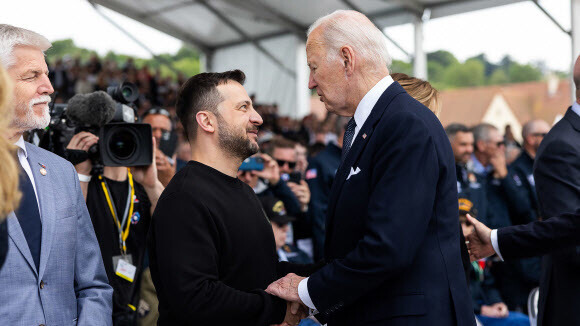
<point>42,169</point>
<point>364,136</point>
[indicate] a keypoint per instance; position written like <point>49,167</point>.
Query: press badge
<point>125,269</point>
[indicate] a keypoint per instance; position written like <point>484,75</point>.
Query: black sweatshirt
<point>213,253</point>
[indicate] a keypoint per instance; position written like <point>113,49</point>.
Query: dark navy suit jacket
<point>557,177</point>
<point>393,228</point>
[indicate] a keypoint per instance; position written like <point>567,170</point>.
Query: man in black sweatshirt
<point>211,247</point>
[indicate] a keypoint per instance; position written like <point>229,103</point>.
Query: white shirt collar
<point>576,107</point>
<point>364,108</point>
<point>21,146</point>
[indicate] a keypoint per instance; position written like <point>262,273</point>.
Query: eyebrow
<point>244,102</point>
<point>34,71</point>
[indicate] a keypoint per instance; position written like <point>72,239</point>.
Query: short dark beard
<point>234,145</point>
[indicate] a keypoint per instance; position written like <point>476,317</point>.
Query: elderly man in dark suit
<point>392,227</point>
<point>557,178</point>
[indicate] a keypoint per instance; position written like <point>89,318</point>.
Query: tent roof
<point>213,24</point>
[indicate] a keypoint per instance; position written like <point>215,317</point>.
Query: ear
<point>480,145</point>
<point>348,59</point>
<point>205,121</point>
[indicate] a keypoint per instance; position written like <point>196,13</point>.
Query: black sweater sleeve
<point>187,248</point>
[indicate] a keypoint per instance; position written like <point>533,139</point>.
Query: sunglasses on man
<point>291,165</point>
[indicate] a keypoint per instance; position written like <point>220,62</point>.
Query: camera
<point>111,116</point>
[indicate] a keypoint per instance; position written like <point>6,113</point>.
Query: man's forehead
<point>28,58</point>
<point>233,91</point>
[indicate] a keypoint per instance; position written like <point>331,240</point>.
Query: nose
<point>45,86</point>
<point>311,83</point>
<point>256,118</point>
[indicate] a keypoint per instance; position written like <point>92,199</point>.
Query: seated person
<point>276,212</point>
<point>487,302</point>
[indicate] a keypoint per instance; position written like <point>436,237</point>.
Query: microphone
<point>93,109</point>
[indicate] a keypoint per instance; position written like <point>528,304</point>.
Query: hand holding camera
<point>83,141</point>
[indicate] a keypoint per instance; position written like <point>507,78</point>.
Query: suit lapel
<point>45,193</point>
<point>573,118</point>
<point>16,234</point>
<point>362,138</point>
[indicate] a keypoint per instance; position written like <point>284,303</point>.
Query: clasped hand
<point>287,289</point>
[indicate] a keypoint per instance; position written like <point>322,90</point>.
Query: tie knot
<point>351,124</point>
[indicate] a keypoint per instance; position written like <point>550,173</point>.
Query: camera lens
<point>122,144</point>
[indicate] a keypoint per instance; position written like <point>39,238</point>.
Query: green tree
<point>498,77</point>
<point>402,66</point>
<point>444,58</point>
<point>523,73</point>
<point>435,71</point>
<point>470,73</point>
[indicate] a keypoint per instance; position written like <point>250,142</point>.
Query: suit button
<point>41,287</point>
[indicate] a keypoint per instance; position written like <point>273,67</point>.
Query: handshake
<point>287,288</point>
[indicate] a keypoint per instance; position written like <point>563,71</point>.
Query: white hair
<point>12,36</point>
<point>349,27</point>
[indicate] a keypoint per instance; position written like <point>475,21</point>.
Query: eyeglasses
<point>290,164</point>
<point>157,111</point>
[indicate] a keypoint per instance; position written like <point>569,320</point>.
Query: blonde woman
<point>421,90</point>
<point>9,194</point>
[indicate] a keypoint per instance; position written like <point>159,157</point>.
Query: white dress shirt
<point>363,110</point>
<point>23,158</point>
<point>494,242</point>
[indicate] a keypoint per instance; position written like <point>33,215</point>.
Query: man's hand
<point>497,310</point>
<point>302,193</point>
<point>479,240</point>
<point>83,141</point>
<point>499,164</point>
<point>295,312</point>
<point>147,175</point>
<point>165,170</point>
<point>271,170</point>
<point>286,288</point>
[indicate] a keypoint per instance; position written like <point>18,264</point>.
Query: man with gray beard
<point>211,246</point>
<point>53,273</point>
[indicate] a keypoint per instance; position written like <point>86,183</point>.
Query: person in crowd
<point>394,261</point>
<point>320,176</point>
<point>503,206</point>
<point>162,127</point>
<point>9,194</point>
<point>280,220</point>
<point>283,151</point>
<point>461,139</point>
<point>557,179</point>
<point>54,273</point>
<point>532,134</point>
<point>120,203</point>
<point>212,250</point>
<point>487,301</point>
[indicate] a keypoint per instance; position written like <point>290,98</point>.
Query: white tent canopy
<point>265,38</point>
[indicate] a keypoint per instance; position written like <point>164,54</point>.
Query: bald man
<point>557,180</point>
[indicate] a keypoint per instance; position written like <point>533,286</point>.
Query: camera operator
<point>120,202</point>
<point>162,127</point>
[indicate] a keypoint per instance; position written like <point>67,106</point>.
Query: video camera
<point>111,116</point>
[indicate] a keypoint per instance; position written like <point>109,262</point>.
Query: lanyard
<point>123,234</point>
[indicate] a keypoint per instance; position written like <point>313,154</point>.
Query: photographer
<point>120,203</point>
<point>162,128</point>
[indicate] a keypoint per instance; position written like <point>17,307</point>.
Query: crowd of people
<point>182,240</point>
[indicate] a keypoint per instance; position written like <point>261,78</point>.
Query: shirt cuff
<point>495,244</point>
<point>303,293</point>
